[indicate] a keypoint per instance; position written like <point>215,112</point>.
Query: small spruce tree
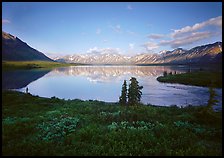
<point>123,97</point>
<point>164,73</point>
<point>134,92</point>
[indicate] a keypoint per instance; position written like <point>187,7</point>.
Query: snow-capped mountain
<point>102,58</point>
<point>210,53</point>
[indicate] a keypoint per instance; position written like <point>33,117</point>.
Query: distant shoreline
<point>200,78</point>
<point>8,65</point>
<point>11,65</point>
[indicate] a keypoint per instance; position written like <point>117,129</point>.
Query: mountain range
<point>14,49</point>
<point>210,53</point>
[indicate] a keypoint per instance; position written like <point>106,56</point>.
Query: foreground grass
<point>200,78</point>
<point>32,125</point>
<point>31,64</point>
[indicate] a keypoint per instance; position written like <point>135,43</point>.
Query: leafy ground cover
<point>33,125</point>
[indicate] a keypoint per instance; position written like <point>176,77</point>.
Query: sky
<point>128,28</point>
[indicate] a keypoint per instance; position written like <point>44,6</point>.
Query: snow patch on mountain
<point>204,53</point>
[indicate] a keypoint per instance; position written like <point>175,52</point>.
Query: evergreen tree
<point>134,92</point>
<point>123,97</point>
<point>164,73</point>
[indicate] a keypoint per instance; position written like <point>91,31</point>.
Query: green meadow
<point>33,125</point>
<point>199,78</point>
<point>32,64</point>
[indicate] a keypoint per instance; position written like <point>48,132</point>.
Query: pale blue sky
<point>129,27</point>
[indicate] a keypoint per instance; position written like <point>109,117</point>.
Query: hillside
<point>14,49</point>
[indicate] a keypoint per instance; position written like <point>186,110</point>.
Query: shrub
<point>138,125</point>
<point>56,128</point>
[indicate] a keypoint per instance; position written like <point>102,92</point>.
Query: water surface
<point>104,83</point>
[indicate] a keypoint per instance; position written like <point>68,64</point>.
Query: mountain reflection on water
<point>113,73</point>
<point>16,79</point>
<point>104,83</point>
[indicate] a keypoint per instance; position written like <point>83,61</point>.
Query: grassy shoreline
<point>33,125</point>
<point>199,78</point>
<point>11,65</point>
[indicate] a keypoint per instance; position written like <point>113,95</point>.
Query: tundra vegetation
<point>197,78</point>
<point>11,65</point>
<point>33,125</point>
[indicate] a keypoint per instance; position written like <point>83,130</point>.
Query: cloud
<point>105,40</point>
<point>156,36</point>
<point>131,45</point>
<point>149,46</point>
<point>96,50</point>
<point>98,31</point>
<point>131,32</point>
<point>92,50</point>
<point>211,22</point>
<point>193,37</point>
<point>187,35</point>
<point>129,7</point>
<point>110,50</point>
<point>5,21</point>
<point>149,25</point>
<point>116,28</point>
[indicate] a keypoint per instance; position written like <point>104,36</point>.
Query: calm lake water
<point>104,83</point>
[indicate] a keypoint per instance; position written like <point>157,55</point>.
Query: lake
<point>104,83</point>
